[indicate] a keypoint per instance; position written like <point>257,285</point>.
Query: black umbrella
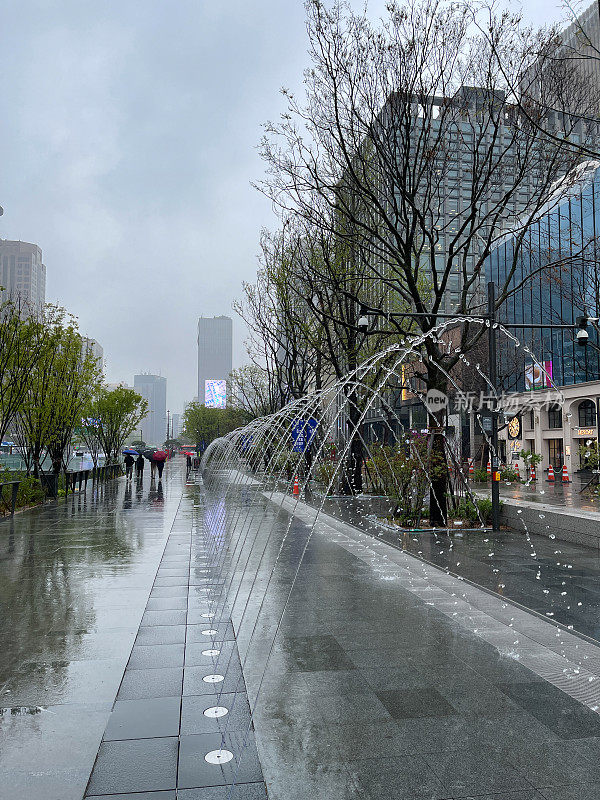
<point>149,452</point>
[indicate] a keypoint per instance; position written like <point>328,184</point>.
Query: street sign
<point>302,433</point>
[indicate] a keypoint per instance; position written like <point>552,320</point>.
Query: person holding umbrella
<point>148,454</point>
<point>159,458</point>
<point>129,462</point>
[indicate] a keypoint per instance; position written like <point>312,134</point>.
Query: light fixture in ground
<point>214,712</point>
<point>213,678</point>
<point>218,756</point>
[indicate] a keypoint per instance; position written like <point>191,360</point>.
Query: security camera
<point>363,324</point>
<point>582,337</point>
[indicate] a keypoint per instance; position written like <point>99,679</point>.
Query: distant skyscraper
<point>214,358</point>
<point>176,425</point>
<point>22,274</point>
<point>153,388</point>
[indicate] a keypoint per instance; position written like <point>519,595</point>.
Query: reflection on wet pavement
<point>74,580</point>
<point>557,493</point>
<point>129,615</point>
<point>543,574</point>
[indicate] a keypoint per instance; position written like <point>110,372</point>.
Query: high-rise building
<point>176,424</point>
<point>215,354</point>
<point>582,43</point>
<point>553,279</point>
<point>22,274</point>
<point>153,388</point>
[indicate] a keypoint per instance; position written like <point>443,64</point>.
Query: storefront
<point>559,424</point>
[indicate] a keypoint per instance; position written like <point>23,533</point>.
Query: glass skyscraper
<point>551,271</point>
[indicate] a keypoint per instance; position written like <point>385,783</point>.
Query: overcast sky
<point>128,136</point>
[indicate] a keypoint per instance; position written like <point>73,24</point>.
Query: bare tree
<point>407,152</point>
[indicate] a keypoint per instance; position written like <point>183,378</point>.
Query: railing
<point>73,479</point>
<point>80,477</point>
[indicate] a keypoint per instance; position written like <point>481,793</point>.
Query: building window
<point>555,417</point>
<point>555,454</point>
<point>587,413</point>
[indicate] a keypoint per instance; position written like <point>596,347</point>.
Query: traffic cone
<point>517,470</point>
<point>471,470</point>
<point>565,474</point>
<point>532,475</point>
<point>296,489</point>
<point>551,474</point>
<point>489,468</point>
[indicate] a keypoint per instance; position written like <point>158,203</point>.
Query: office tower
<point>214,359</point>
<point>554,280</point>
<point>176,424</point>
<point>22,274</point>
<point>153,388</point>
<point>582,43</point>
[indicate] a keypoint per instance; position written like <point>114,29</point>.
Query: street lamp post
<point>493,375</point>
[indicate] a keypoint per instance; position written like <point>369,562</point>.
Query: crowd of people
<point>157,464</point>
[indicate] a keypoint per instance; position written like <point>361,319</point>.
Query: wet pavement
<point>345,668</point>
<point>384,682</point>
<point>554,578</point>
<point>555,493</point>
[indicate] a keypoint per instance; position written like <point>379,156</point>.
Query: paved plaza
<point>331,664</point>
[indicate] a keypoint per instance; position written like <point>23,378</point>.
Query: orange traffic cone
<point>565,474</point>
<point>296,489</point>
<point>471,470</point>
<point>517,470</point>
<point>489,468</point>
<point>532,475</point>
<point>551,474</point>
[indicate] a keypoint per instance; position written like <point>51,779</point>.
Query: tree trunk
<point>352,482</point>
<point>438,493</point>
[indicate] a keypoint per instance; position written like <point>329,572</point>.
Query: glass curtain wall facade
<point>554,280</point>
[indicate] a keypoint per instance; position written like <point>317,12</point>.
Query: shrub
<point>484,505</point>
<point>471,511</point>
<point>480,475</point>
<point>30,492</point>
<point>510,474</point>
<point>402,473</point>
<point>324,472</point>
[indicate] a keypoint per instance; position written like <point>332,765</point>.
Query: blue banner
<point>302,433</point>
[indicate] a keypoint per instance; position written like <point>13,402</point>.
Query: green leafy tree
<point>60,384</point>
<point>21,343</point>
<point>119,412</point>
<point>203,424</point>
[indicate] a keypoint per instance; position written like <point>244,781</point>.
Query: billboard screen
<point>215,394</point>
<point>535,377</point>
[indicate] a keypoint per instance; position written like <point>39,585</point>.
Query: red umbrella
<point>160,455</point>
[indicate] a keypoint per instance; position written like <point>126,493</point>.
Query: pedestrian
<point>129,462</point>
<point>160,465</point>
<point>188,464</point>
<point>139,466</point>
<point>152,469</point>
